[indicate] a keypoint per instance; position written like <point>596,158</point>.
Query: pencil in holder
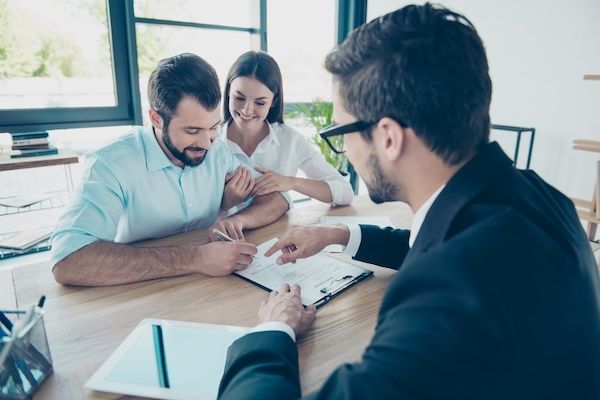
<point>25,360</point>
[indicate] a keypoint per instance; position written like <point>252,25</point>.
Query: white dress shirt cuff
<point>341,192</point>
<point>274,326</point>
<point>354,240</point>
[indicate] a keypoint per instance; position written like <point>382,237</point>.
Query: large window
<point>48,63</point>
<point>300,34</point>
<point>63,63</point>
<point>218,32</point>
<point>86,63</point>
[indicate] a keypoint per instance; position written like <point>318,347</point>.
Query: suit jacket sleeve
<point>386,247</point>
<point>261,365</point>
<point>434,339</point>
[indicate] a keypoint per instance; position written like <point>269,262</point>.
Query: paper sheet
<point>312,274</point>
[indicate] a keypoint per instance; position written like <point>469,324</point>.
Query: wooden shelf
<point>590,210</point>
<point>587,145</point>
<point>587,215</point>
<point>62,158</point>
<point>587,210</point>
<point>579,203</point>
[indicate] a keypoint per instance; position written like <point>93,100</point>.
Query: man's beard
<point>380,188</point>
<point>180,155</point>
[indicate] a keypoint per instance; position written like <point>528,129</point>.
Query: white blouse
<point>284,151</point>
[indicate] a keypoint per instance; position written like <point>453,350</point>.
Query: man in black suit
<point>496,294</point>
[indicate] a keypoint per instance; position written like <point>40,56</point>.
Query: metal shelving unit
<point>11,215</point>
<point>13,219</point>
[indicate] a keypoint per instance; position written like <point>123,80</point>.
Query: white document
<point>381,222</point>
<point>318,276</point>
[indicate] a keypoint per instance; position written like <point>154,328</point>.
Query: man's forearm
<point>107,263</point>
<point>263,210</point>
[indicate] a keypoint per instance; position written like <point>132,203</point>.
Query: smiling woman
<point>255,131</point>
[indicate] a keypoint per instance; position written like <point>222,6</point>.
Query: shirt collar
<point>272,138</point>
<point>273,134</point>
<point>420,215</point>
<point>156,158</point>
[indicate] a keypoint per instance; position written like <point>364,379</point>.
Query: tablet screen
<point>170,357</point>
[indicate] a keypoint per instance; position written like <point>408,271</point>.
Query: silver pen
<point>225,237</point>
<point>221,235</point>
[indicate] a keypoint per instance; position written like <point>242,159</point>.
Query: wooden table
<point>85,325</point>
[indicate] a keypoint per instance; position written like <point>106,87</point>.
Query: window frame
<point>127,110</point>
<point>351,14</point>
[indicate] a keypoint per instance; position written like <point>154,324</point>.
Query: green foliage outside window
<point>31,50</point>
<point>319,114</point>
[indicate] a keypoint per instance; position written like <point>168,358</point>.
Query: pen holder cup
<point>27,362</point>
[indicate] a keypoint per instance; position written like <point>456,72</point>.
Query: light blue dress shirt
<point>130,191</point>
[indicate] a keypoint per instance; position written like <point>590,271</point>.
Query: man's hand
<point>238,186</point>
<point>285,306</point>
<point>223,258</point>
<point>232,226</point>
<point>271,182</point>
<point>305,241</point>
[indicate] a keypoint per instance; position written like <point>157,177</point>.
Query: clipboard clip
<point>327,289</point>
<point>336,286</point>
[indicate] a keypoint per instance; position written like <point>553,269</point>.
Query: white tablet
<point>168,360</point>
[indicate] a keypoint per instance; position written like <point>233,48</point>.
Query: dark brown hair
<point>261,66</point>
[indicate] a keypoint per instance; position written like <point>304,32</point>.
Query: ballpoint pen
<point>222,236</point>
<point>41,301</point>
<point>225,237</point>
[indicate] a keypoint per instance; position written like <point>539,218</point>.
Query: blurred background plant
<point>319,114</point>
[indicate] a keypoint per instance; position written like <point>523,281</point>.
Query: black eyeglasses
<point>337,144</point>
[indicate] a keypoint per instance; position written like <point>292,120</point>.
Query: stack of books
<point>28,144</point>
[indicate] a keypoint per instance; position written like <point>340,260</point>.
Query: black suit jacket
<point>497,299</point>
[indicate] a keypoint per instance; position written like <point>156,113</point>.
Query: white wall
<point>538,53</point>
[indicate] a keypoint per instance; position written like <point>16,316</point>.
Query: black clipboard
<point>329,294</point>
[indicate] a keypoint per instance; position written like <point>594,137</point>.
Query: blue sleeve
<point>93,214</point>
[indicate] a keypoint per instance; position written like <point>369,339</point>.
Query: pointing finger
<point>280,244</point>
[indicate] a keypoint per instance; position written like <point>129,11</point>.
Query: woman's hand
<point>238,186</point>
<point>271,182</point>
